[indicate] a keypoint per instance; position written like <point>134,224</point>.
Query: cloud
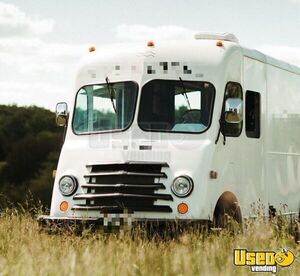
<point>33,71</point>
<point>32,93</point>
<point>125,32</point>
<point>15,23</point>
<point>282,52</point>
<point>295,1</point>
<point>34,55</point>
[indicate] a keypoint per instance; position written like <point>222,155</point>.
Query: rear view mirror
<point>233,110</point>
<point>61,114</point>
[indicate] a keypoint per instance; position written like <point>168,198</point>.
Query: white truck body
<point>264,169</point>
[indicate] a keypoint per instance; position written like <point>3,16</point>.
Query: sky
<point>42,41</point>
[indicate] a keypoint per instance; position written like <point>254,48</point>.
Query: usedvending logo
<point>263,261</point>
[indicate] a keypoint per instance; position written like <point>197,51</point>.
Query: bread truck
<point>183,131</point>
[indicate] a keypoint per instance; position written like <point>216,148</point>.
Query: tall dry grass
<point>25,250</point>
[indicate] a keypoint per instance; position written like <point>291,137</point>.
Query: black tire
<point>227,212</point>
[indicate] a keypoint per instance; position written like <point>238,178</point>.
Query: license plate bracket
<point>121,221</point>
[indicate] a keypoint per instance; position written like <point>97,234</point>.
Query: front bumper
<point>123,221</point>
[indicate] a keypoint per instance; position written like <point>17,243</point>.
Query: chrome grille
<point>120,187</point>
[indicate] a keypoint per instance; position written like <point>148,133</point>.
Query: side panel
<point>240,162</point>
<point>283,143</point>
<point>253,151</point>
<point>227,159</point>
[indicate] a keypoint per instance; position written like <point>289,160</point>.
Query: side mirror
<point>233,110</point>
<point>61,114</point>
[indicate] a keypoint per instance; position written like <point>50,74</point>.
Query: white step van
<point>179,131</point>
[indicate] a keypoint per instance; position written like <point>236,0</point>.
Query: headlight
<point>182,186</point>
<point>67,185</point>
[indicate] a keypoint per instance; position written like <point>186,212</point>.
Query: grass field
<point>25,250</point>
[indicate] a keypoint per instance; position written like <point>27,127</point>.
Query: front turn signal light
<point>182,208</point>
<point>64,206</point>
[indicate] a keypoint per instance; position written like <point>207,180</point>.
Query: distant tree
<point>41,186</point>
<point>27,156</point>
<point>30,143</point>
<point>18,122</point>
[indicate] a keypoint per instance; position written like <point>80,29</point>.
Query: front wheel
<point>227,214</point>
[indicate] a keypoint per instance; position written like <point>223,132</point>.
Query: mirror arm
<point>65,129</point>
<point>221,123</point>
<point>219,132</point>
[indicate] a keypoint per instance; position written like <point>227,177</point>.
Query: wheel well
<point>228,204</point>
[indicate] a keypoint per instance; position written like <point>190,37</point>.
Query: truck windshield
<point>104,107</point>
<point>176,106</point>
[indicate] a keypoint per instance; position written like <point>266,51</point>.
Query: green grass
<point>25,250</point>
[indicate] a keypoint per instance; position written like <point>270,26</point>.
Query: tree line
<point>30,144</point>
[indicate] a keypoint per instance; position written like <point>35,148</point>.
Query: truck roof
<point>200,49</point>
<point>257,55</point>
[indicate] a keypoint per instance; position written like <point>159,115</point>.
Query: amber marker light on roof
<point>219,43</point>
<point>182,208</point>
<point>64,206</point>
<point>150,44</point>
<point>92,49</point>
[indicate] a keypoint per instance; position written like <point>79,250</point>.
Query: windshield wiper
<point>109,87</point>
<point>184,93</point>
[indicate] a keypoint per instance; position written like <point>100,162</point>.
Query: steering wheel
<point>191,116</point>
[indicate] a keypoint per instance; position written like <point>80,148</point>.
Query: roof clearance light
<point>219,43</point>
<point>92,49</point>
<point>150,43</point>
